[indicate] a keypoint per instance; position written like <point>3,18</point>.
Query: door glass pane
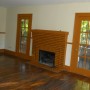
<point>83,37</point>
<point>88,51</point>
<point>26,23</point>
<point>22,48</point>
<point>88,57</point>
<point>81,62</point>
<point>23,40</point>
<point>88,39</point>
<point>24,31</point>
<point>85,26</point>
<point>81,56</point>
<point>82,51</point>
<point>88,63</point>
<point>22,23</point>
<point>22,45</point>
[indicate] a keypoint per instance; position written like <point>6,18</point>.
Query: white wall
<point>3,13</point>
<point>51,17</point>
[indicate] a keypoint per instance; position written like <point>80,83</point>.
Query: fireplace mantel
<point>52,41</point>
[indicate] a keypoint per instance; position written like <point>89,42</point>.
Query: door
<point>24,22</point>
<point>80,60</point>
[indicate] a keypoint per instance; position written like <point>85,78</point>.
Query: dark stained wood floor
<point>17,74</point>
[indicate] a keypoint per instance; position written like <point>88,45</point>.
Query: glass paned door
<point>23,34</point>
<point>80,59</point>
<point>84,47</point>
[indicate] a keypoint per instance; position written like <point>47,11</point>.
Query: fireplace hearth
<point>47,58</point>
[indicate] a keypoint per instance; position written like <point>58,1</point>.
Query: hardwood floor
<point>17,74</point>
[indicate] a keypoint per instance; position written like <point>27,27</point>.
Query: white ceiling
<point>13,3</point>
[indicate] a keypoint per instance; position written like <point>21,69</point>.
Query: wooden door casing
<point>76,42</point>
<point>23,16</point>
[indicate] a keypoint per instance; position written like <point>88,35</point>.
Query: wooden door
<point>80,60</point>
<point>24,22</point>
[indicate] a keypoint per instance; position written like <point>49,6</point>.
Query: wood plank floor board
<point>18,74</point>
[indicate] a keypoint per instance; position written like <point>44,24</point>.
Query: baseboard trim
<point>15,54</point>
<point>2,51</point>
<point>67,68</point>
<point>27,57</point>
<point>8,52</point>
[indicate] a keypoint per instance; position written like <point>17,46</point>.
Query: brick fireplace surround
<point>52,41</point>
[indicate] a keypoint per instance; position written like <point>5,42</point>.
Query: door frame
<point>19,17</point>
<point>75,44</point>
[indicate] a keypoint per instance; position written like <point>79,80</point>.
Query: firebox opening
<point>47,58</point>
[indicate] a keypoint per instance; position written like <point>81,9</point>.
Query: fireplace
<point>49,48</point>
<point>47,58</point>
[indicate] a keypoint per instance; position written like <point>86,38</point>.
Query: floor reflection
<point>81,85</point>
<point>22,67</point>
